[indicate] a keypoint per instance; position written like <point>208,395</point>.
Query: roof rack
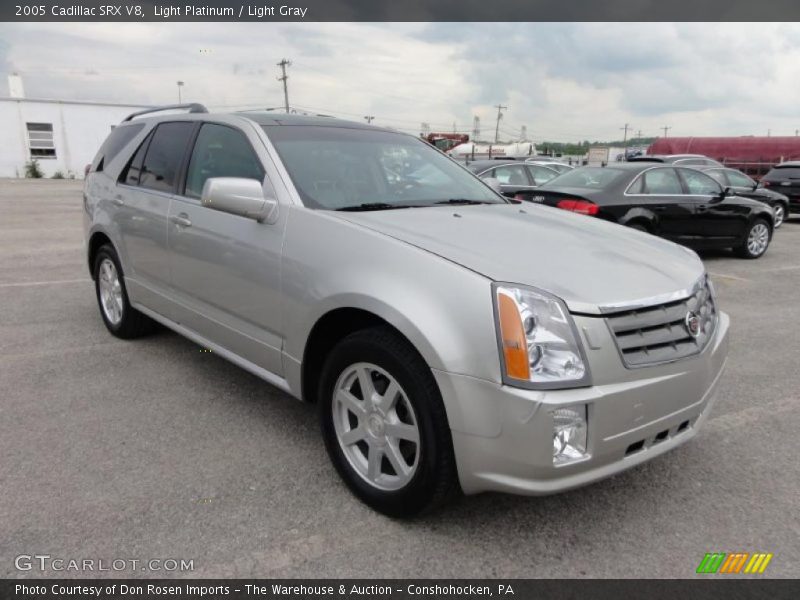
<point>194,107</point>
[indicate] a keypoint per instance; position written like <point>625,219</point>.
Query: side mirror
<point>239,196</point>
<point>494,183</point>
<point>722,195</point>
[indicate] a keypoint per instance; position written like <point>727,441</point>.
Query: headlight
<point>538,344</point>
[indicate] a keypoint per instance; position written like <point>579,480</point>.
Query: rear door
<point>659,191</point>
<point>144,193</point>
<point>713,221</point>
<point>226,268</point>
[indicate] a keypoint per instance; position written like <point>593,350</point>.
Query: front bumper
<point>503,436</point>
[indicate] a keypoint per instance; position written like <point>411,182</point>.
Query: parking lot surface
<point>154,449</point>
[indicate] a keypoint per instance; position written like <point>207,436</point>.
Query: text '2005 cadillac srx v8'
<point>452,340</point>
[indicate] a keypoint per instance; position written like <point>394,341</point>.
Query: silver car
<point>452,341</point>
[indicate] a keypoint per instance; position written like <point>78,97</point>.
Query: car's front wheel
<point>120,318</point>
<point>384,424</point>
<point>756,240</point>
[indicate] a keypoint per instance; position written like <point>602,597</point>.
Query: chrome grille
<point>660,333</point>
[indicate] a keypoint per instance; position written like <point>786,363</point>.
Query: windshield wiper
<point>463,201</point>
<point>373,206</point>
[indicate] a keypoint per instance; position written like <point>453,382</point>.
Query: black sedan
<point>517,180</point>
<point>678,203</point>
<point>742,185</point>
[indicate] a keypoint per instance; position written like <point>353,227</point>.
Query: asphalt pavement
<point>153,449</point>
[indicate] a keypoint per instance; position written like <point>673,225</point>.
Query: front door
<point>226,268</point>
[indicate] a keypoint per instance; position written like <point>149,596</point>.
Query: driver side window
<point>220,151</point>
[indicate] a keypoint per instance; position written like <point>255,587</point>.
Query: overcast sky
<point>565,82</point>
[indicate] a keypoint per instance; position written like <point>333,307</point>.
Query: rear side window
<point>661,182</point>
<point>164,156</point>
<point>130,175</point>
<point>541,174</point>
<point>718,176</point>
<point>221,151</point>
<point>700,184</point>
<point>511,175</point>
<point>115,142</point>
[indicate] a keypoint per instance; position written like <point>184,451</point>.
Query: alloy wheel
<point>110,291</point>
<point>758,239</point>
<point>376,426</point>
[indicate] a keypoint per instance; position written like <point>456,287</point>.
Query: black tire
<point>132,323</point>
<point>435,479</point>
<point>639,227</point>
<point>743,251</point>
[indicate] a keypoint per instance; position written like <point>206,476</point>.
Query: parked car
<point>516,179</point>
<point>560,167</point>
<point>449,338</point>
<point>742,185</point>
<point>684,160</point>
<point>679,203</point>
<point>785,178</point>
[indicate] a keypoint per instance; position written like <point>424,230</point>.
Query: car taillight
<point>583,207</point>
<point>519,197</point>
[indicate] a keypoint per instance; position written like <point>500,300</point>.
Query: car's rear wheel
<point>780,214</point>
<point>756,240</point>
<point>384,424</point>
<point>120,318</point>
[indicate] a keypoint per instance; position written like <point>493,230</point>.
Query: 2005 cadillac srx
<point>451,339</point>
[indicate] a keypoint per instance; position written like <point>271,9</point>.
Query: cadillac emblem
<point>692,323</point>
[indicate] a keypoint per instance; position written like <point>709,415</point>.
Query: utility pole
<point>180,85</point>
<point>769,132</point>
<point>500,108</point>
<point>666,128</point>
<point>625,140</point>
<point>639,135</point>
<point>523,134</point>
<point>283,64</point>
<point>476,128</point>
<point>425,129</point>
<point>369,118</point>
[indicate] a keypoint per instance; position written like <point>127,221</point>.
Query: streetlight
<point>180,85</point>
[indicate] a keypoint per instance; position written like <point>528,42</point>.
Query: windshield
<point>337,168</point>
<point>586,177</point>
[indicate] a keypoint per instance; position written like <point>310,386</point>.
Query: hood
<point>587,262</point>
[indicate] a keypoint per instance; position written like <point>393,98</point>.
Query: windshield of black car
<point>597,178</point>
<point>336,168</point>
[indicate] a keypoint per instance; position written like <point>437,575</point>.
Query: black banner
<point>399,10</point>
<point>397,589</point>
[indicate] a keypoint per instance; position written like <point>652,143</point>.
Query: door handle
<point>181,220</point>
<point>702,208</point>
<point>118,200</point>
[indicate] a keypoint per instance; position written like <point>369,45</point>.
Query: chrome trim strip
<point>609,309</point>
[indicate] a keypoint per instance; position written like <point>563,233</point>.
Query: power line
<point>283,64</point>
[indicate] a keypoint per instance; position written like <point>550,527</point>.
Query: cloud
<point>564,81</point>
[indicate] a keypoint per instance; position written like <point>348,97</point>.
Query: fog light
<point>569,434</point>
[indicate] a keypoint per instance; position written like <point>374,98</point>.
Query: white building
<point>62,135</point>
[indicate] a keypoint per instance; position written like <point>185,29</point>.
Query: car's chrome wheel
<point>758,239</point>
<point>110,291</point>
<point>376,426</point>
<point>780,215</point>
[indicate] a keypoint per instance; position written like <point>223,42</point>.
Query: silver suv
<point>452,340</point>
